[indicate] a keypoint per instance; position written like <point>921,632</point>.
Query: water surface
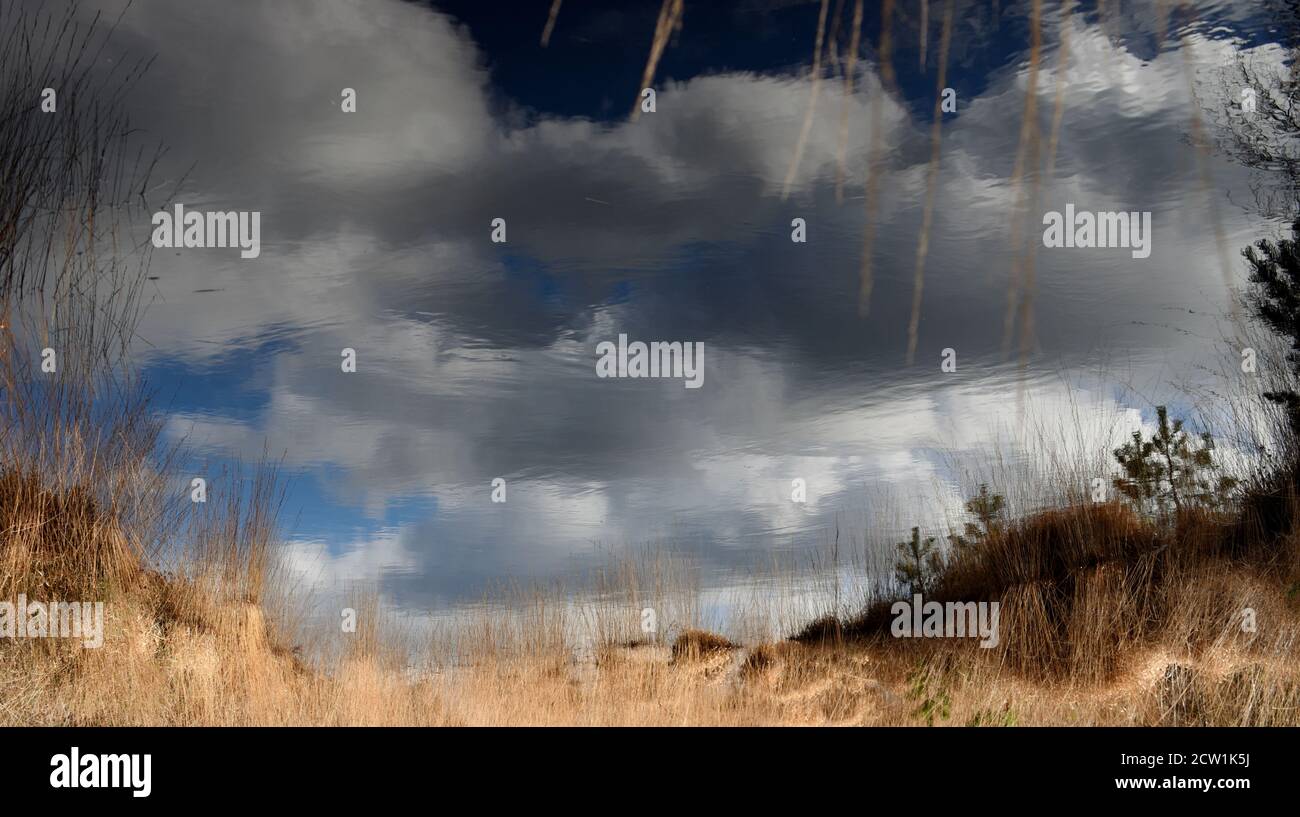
<point>476,360</point>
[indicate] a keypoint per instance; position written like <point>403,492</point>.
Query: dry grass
<point>1105,621</point>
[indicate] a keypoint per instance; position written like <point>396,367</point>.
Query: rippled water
<point>477,360</point>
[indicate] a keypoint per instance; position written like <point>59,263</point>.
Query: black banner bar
<point>331,766</point>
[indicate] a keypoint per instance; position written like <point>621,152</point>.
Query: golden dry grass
<point>1125,646</point>
<point>228,671</point>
